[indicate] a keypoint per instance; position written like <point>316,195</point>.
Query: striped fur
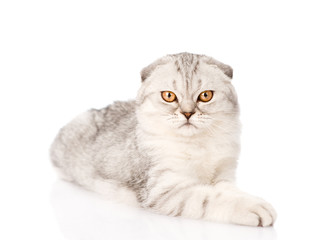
<point>147,153</point>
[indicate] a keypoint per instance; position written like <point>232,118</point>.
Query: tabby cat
<point>173,150</point>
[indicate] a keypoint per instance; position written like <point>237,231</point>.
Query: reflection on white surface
<point>86,216</point>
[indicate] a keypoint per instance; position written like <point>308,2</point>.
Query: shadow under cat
<point>86,215</point>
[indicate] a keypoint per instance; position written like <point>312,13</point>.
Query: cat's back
<point>119,116</point>
<point>92,132</point>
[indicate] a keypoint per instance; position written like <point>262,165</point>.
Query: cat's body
<point>174,153</point>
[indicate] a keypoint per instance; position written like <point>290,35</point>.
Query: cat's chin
<point>188,129</point>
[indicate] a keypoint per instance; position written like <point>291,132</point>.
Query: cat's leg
<point>171,194</point>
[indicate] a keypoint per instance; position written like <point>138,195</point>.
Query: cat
<point>172,150</point>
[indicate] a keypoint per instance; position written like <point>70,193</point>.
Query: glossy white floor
<point>82,215</point>
<point>64,211</point>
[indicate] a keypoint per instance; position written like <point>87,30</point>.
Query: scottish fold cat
<point>173,150</point>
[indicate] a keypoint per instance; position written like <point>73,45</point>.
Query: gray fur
<point>204,207</point>
<point>187,64</point>
<point>88,147</point>
<point>147,146</point>
<point>84,150</point>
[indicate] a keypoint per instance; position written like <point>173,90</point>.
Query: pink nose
<point>188,114</point>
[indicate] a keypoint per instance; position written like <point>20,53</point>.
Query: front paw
<point>252,211</point>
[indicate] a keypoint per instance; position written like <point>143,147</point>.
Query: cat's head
<point>186,94</point>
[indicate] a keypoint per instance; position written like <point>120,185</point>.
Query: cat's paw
<point>253,211</point>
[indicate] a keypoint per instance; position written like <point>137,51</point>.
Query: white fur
<point>148,153</point>
<point>197,155</point>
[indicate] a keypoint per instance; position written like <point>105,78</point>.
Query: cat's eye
<point>168,96</point>
<point>206,96</point>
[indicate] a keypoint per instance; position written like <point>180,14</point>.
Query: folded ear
<point>223,67</point>
<point>147,71</point>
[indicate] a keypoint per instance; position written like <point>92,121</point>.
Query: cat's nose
<point>188,114</point>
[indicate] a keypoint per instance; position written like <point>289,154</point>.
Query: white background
<point>59,58</point>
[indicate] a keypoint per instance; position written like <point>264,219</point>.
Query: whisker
<point>223,121</point>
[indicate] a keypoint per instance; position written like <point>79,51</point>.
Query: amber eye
<point>206,96</point>
<point>168,96</point>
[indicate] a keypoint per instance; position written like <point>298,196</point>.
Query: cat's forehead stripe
<point>187,66</point>
<point>200,83</point>
<point>174,84</point>
<point>196,67</point>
